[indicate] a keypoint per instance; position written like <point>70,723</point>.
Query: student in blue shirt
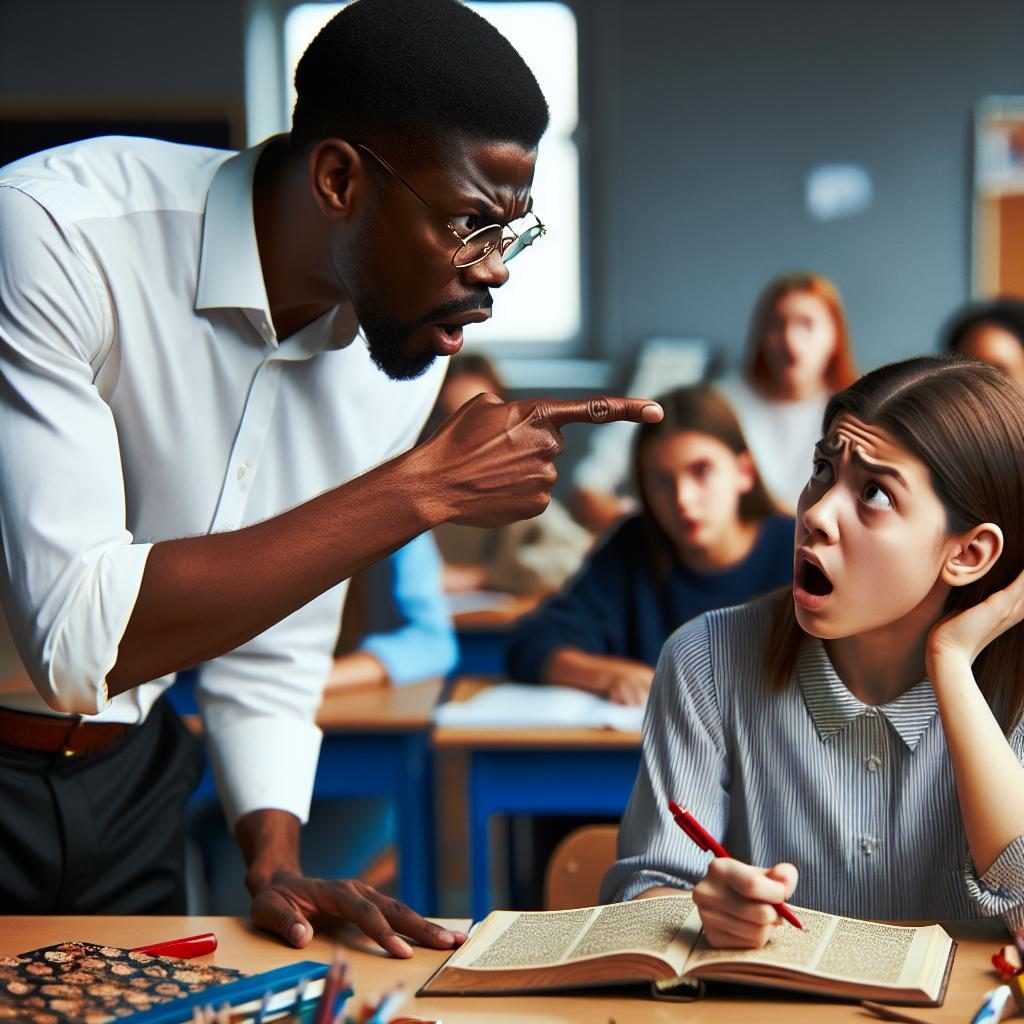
<point>708,536</point>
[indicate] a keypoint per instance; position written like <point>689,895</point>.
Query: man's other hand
<point>291,904</point>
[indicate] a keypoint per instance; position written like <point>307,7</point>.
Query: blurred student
<point>992,331</point>
<point>708,536</point>
<point>396,628</point>
<point>534,556</point>
<point>798,355</point>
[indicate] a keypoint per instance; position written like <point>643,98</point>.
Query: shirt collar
<point>833,707</point>
<point>230,273</point>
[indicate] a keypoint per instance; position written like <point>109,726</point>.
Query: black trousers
<point>99,833</point>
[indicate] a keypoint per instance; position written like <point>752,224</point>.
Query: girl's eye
<point>467,223</point>
<point>821,471</point>
<point>876,497</point>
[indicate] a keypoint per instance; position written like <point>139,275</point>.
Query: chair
<point>575,870</point>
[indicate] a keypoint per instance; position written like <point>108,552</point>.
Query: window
<point>540,304</point>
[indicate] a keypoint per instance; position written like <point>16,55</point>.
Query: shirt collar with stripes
<point>833,707</point>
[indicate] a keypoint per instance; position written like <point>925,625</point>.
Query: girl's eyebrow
<point>834,448</point>
<point>879,468</point>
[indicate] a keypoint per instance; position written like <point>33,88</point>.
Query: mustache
<point>456,307</point>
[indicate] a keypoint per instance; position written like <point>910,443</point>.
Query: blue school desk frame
<point>519,771</point>
<point>375,743</point>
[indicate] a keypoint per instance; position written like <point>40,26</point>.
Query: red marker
<point>693,828</point>
<point>194,945</point>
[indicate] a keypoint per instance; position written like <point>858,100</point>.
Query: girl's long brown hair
<point>841,370</point>
<point>965,421</point>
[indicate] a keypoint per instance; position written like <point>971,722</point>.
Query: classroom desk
<point>535,771</point>
<point>372,973</point>
<point>481,631</point>
<point>376,744</point>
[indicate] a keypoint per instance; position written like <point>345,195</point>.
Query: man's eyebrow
<point>827,447</point>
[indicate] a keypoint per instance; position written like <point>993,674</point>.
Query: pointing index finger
<point>600,409</point>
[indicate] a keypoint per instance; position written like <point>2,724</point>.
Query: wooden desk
<point>372,974</point>
<point>376,744</point>
<point>535,771</point>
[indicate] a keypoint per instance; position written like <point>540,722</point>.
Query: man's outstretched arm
<point>491,463</point>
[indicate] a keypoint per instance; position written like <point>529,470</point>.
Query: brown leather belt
<point>49,733</point>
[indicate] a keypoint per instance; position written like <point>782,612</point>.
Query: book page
<point>526,940</point>
<point>645,926</point>
<point>665,927</point>
<point>841,947</point>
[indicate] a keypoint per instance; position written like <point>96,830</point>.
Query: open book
<point>519,705</point>
<point>660,940</point>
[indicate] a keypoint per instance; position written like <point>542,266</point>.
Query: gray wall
<point>712,114</point>
<point>701,120</point>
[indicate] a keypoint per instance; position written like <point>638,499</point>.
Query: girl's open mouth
<point>811,587</point>
<point>812,579</point>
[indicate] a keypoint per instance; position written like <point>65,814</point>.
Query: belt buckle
<point>66,749</point>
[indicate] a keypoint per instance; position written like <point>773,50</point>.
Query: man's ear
<point>971,554</point>
<point>337,176</point>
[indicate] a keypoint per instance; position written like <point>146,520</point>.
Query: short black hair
<point>419,67</point>
<point>1005,312</point>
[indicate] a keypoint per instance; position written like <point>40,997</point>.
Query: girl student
<point>798,354</point>
<point>858,741</point>
<point>707,536</point>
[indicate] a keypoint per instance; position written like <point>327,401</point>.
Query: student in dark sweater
<point>708,536</point>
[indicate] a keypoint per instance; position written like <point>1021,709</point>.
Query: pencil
<point>887,1013</point>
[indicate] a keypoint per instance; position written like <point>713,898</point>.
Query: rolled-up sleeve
<point>259,705</point>
<point>1000,890</point>
<point>71,570</point>
<point>683,759</point>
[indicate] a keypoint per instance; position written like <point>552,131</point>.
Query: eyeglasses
<point>477,245</point>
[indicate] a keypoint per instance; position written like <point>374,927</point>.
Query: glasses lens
<point>517,245</point>
<point>478,246</point>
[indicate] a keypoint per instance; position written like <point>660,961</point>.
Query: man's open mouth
<point>810,578</point>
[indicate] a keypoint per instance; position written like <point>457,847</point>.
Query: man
<point>182,398</point>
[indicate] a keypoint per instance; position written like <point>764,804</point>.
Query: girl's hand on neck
<point>957,639</point>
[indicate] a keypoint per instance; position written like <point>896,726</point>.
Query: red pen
<point>706,841</point>
<point>194,945</point>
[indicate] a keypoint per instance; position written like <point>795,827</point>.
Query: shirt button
<point>242,469</point>
<point>867,847</point>
<point>873,763</point>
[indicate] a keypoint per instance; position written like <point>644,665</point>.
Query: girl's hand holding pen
<point>736,900</point>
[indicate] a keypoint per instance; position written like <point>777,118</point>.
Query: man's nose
<point>490,272</point>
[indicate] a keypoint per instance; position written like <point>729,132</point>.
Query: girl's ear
<point>747,472</point>
<point>972,554</point>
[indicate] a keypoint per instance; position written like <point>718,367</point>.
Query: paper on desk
<point>515,705</point>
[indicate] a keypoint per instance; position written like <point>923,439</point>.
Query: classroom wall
<point>714,111</point>
<point>701,119</point>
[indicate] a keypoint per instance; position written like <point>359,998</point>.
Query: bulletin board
<point>30,127</point>
<point>999,198</point>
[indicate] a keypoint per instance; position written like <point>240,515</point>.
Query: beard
<point>388,346</point>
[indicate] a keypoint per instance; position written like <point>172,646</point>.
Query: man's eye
<point>467,223</point>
